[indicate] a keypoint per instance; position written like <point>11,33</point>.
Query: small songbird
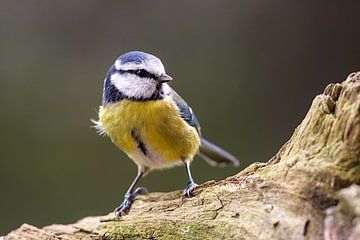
<point>151,123</point>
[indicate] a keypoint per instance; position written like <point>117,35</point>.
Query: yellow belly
<point>165,134</point>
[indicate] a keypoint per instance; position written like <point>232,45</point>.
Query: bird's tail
<point>215,155</point>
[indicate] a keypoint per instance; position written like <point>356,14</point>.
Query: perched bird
<point>150,122</point>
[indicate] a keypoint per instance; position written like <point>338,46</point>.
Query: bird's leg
<point>191,185</point>
<point>131,194</point>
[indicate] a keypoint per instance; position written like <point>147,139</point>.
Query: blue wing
<point>210,152</point>
<point>186,112</point>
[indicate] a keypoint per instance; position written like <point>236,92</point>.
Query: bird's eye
<point>142,73</point>
<point>139,72</point>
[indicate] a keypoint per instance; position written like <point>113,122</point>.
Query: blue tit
<point>151,123</point>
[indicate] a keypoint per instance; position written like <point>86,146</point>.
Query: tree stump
<point>301,193</point>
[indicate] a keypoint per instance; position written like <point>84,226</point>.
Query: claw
<point>190,187</point>
<point>124,207</point>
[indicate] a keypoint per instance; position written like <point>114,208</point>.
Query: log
<point>306,191</point>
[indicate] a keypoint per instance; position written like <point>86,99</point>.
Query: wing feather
<point>186,112</point>
<point>210,152</point>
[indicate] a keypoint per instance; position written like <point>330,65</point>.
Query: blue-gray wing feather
<point>210,152</point>
<point>186,112</point>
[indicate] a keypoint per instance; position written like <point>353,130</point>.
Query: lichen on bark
<point>288,197</point>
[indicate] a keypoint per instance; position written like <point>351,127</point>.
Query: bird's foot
<point>124,207</point>
<point>190,187</point>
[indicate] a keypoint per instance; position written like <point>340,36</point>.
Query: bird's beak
<point>164,78</point>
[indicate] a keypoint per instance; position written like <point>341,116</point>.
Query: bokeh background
<point>249,69</point>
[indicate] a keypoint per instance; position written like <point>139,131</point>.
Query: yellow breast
<point>164,133</point>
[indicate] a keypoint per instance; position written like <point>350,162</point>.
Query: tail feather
<point>215,155</point>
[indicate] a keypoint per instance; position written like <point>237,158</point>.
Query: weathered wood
<point>292,196</point>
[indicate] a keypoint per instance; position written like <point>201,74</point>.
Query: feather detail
<point>99,127</point>
<point>216,156</point>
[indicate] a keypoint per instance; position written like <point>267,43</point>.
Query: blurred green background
<point>249,69</point>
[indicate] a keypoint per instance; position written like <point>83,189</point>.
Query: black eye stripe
<point>140,72</point>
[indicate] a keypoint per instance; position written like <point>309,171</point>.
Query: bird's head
<point>135,75</point>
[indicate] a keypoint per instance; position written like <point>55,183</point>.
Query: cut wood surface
<point>301,193</point>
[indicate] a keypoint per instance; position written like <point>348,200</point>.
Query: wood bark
<point>303,192</point>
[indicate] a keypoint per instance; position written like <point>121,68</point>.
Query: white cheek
<point>133,86</point>
<point>166,89</point>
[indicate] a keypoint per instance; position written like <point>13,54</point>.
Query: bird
<point>145,118</point>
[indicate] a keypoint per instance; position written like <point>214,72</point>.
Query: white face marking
<point>134,86</point>
<point>166,89</point>
<point>152,65</point>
